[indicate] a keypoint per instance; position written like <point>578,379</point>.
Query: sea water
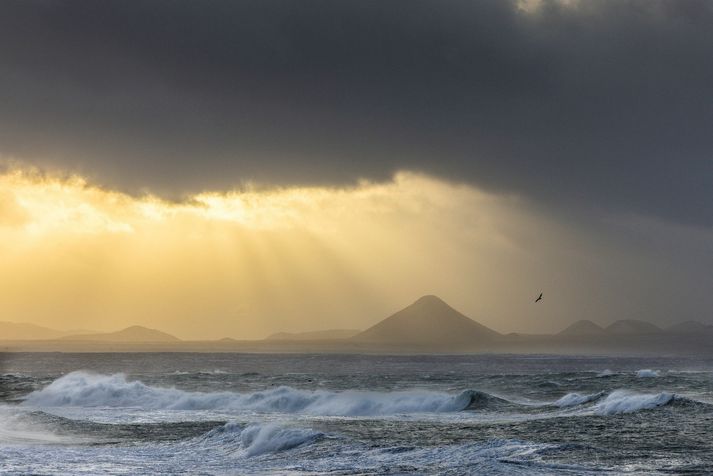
<point>353,414</point>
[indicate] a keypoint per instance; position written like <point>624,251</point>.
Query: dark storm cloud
<point>607,103</point>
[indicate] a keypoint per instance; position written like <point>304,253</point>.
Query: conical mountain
<point>428,321</point>
<point>583,327</point>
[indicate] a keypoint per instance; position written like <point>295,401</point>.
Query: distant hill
<point>22,331</point>
<point>130,334</point>
<point>583,327</point>
<point>632,326</point>
<point>690,327</point>
<point>315,335</point>
<point>428,321</point>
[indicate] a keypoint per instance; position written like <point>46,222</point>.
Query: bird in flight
<point>539,298</point>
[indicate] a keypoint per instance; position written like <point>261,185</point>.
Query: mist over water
<point>350,414</point>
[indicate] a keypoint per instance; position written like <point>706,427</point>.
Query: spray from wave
<point>17,427</point>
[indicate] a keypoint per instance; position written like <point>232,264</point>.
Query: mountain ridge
<point>428,321</point>
<point>128,334</point>
<point>27,331</point>
<point>689,327</point>
<point>632,327</point>
<point>583,327</point>
<point>326,334</point>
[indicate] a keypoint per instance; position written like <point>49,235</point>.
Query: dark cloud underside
<point>606,103</point>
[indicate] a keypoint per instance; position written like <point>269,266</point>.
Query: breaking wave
<point>82,389</point>
<point>623,401</point>
<point>257,439</point>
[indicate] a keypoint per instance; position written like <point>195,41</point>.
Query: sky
<point>240,168</point>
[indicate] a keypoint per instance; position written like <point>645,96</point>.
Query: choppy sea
<point>223,414</point>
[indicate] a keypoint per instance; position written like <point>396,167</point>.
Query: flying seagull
<point>539,298</point>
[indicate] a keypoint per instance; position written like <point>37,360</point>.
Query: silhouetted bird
<point>539,298</point>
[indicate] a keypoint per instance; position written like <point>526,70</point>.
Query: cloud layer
<point>576,105</point>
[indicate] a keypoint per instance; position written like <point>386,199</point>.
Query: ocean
<point>223,414</point>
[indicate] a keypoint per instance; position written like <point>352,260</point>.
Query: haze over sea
<point>182,413</point>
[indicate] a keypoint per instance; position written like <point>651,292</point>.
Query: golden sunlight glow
<point>249,262</point>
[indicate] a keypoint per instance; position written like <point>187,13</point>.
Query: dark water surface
<point>353,414</point>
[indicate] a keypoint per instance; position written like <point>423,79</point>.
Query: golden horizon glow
<point>249,262</point>
<point>245,262</point>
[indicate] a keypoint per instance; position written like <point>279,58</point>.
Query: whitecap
<point>647,373</point>
<point>623,401</point>
<point>605,373</point>
<point>574,399</point>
